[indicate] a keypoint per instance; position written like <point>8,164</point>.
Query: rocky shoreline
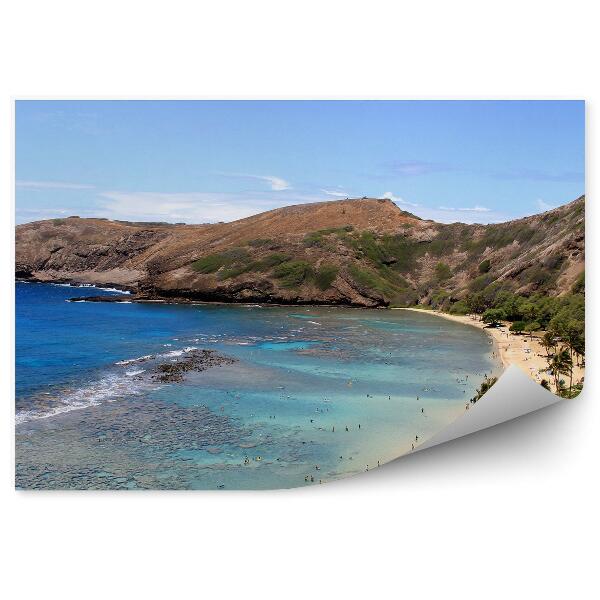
<point>120,298</point>
<point>183,300</point>
<point>194,361</point>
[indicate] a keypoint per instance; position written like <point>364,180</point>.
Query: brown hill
<point>364,252</point>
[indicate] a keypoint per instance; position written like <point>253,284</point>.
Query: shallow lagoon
<point>288,410</point>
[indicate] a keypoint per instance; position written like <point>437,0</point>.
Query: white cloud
<point>335,193</point>
<point>52,185</point>
<point>452,216</point>
<point>207,207</point>
<point>476,209</point>
<point>543,206</point>
<point>277,184</point>
<point>190,207</point>
<point>193,207</point>
<point>398,199</point>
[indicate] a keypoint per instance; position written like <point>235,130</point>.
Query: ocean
<point>314,394</point>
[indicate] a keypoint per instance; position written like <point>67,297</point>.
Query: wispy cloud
<point>543,206</point>
<point>191,207</point>
<point>43,211</point>
<point>336,193</point>
<point>52,185</point>
<point>209,207</point>
<point>536,175</point>
<point>415,168</point>
<point>411,168</point>
<point>446,214</point>
<point>398,200</point>
<point>277,184</point>
<point>476,209</point>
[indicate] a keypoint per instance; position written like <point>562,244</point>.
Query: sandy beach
<point>522,350</point>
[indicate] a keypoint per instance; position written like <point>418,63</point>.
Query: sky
<point>210,161</point>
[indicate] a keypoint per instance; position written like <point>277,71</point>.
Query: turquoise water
<point>314,395</point>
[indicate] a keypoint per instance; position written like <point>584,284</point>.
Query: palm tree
<point>561,364</point>
<point>548,342</point>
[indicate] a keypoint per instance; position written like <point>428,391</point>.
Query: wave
<point>145,357</point>
<point>174,353</point>
<point>106,389</point>
<point>134,372</point>
<point>108,289</point>
<point>128,361</point>
<point>91,285</point>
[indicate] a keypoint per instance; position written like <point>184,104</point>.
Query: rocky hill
<point>363,252</point>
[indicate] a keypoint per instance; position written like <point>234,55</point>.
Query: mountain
<point>360,252</point>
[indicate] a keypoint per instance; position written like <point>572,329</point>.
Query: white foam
<point>134,360</point>
<point>91,285</point>
<point>178,352</point>
<point>107,389</point>
<point>108,289</point>
<point>170,354</point>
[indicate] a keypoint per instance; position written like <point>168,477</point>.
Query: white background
<point>507,513</point>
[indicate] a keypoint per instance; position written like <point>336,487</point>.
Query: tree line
<point>560,321</point>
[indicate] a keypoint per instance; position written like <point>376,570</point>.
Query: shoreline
<point>522,350</point>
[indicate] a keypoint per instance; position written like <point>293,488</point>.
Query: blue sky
<point>208,161</point>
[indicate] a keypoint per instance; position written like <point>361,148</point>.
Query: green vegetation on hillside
<point>291,273</point>
<point>325,276</point>
<point>320,237</point>
<point>458,279</point>
<point>484,266</point>
<point>213,262</point>
<point>442,271</point>
<point>370,279</point>
<point>258,243</point>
